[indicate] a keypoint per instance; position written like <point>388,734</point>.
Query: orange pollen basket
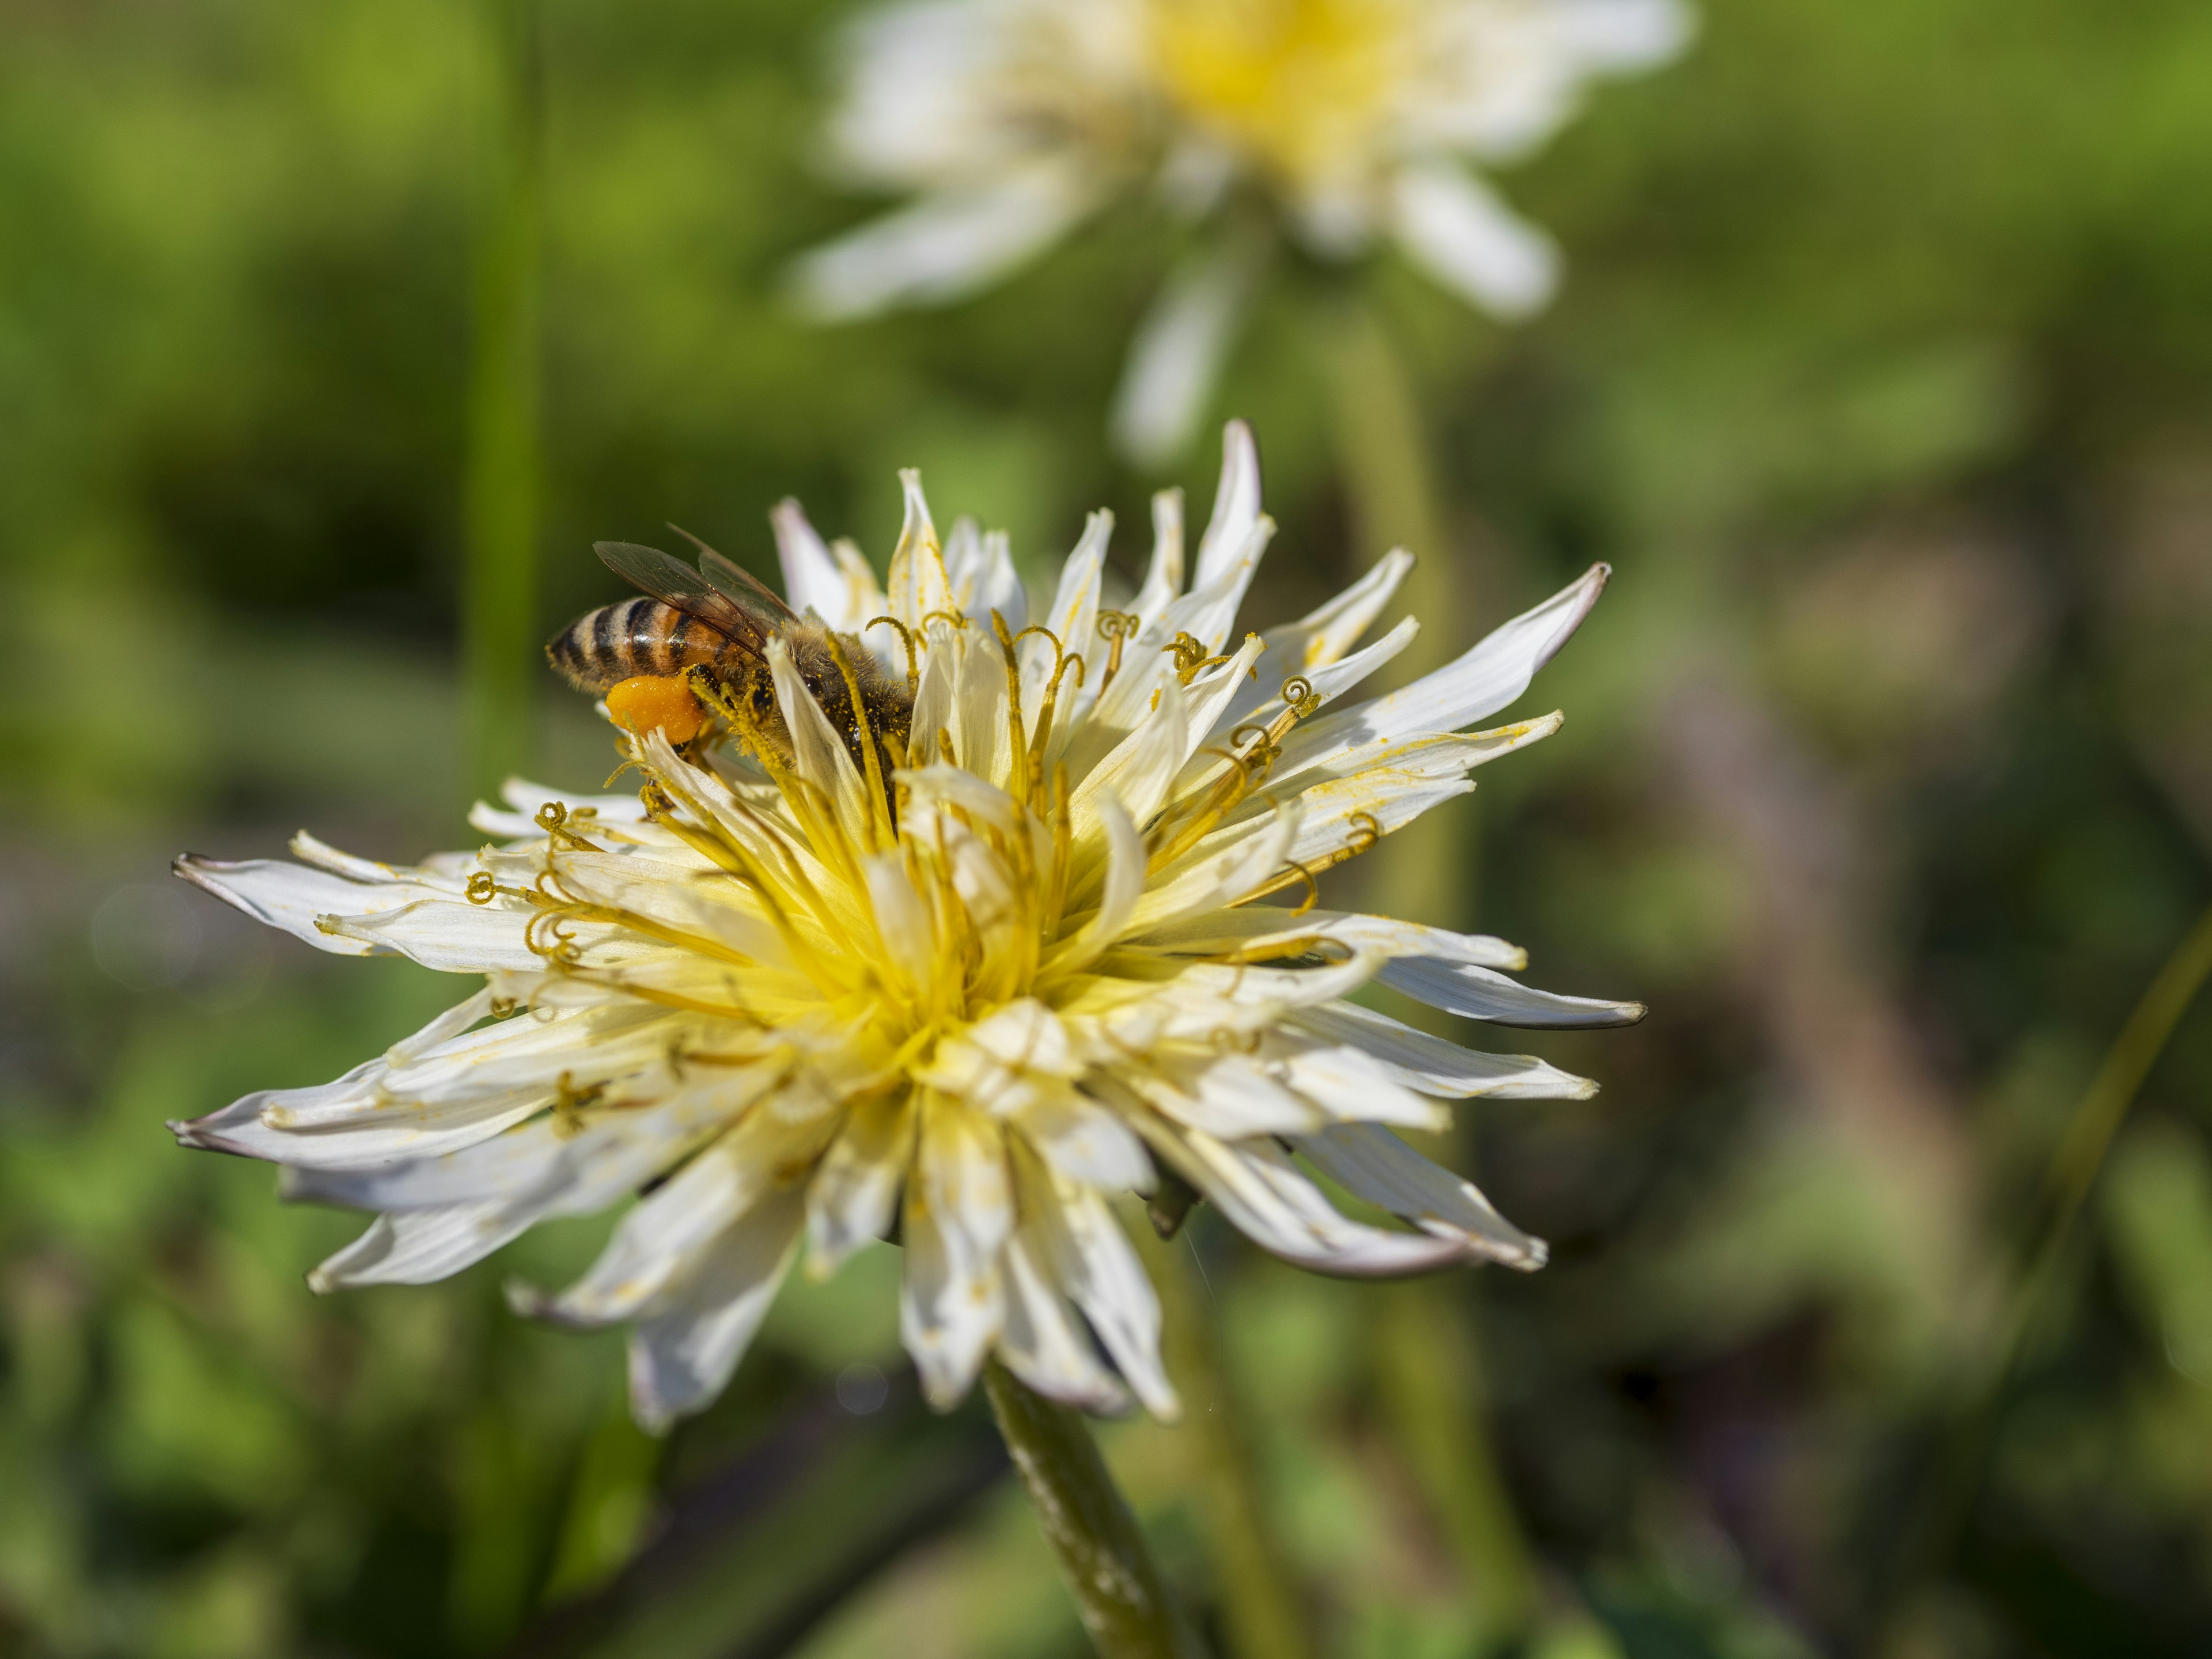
<point>656,700</point>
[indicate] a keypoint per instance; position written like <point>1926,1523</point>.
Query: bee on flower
<point>931,922</point>
<point>1010,121</point>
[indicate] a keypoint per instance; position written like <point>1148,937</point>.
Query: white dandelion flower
<point>1010,121</point>
<point>810,991</point>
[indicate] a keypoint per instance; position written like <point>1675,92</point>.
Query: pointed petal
<point>1438,1067</point>
<point>681,1357</point>
<point>1043,1344</point>
<point>1236,506</point>
<point>1257,1188</point>
<point>1090,1257</point>
<point>918,585</point>
<point>1369,1161</point>
<point>1476,993</point>
<point>1486,679</point>
<point>855,1191</point>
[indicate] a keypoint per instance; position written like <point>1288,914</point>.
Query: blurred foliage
<point>1881,376</point>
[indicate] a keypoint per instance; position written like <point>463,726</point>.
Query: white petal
<point>1225,1095</point>
<point>1117,900</point>
<point>1263,1195</point>
<point>519,821</point>
<point>856,1191</point>
<point>1164,575</point>
<point>944,246</point>
<point>1175,357</point>
<point>1236,506</point>
<point>1349,753</point>
<point>1074,620</point>
<point>1479,994</point>
<point>918,587</point>
<point>544,1167</point>
<point>1137,773</point>
<point>819,755</point>
<point>1085,1142</point>
<point>1369,1161</point>
<point>959,1211</point>
<point>681,1357</point>
<point>295,897</point>
<point>902,919</point>
<point>816,579</point>
<point>1041,1343</point>
<point>1211,879</point>
<point>420,1247</point>
<point>1438,1067</point>
<point>1457,230</point>
<point>1493,674</point>
<point>1256,930</point>
<point>1350,1087</point>
<point>452,935</point>
<point>657,1243</point>
<point>1090,1257</point>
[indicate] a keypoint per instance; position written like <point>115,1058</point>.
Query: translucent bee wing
<point>734,579</point>
<point>671,581</point>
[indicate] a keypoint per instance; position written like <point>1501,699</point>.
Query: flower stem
<point>500,585</point>
<point>1102,1554</point>
<point>1382,454</point>
<point>1430,1362</point>
<point>1430,1372</point>
<point>2074,1166</point>
<point>1260,1615</point>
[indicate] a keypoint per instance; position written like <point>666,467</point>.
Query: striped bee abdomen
<point>620,641</point>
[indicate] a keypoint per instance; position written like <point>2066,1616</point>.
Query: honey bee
<point>647,656</point>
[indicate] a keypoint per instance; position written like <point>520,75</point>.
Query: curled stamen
<point>1299,696</point>
<point>953,617</point>
<point>1118,628</point>
<point>503,1006</point>
<point>1313,888</point>
<point>1368,830</point>
<point>563,952</point>
<point>1263,751</point>
<point>553,819</point>
<point>481,887</point>
<point>1189,654</point>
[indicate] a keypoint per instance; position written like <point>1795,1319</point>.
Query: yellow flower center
<point>1301,86</point>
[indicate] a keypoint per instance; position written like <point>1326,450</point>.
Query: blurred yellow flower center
<point>1299,86</point>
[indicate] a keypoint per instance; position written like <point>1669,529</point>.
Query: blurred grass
<point>1881,375</point>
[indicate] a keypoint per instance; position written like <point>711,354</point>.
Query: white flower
<point>968,1000</point>
<point>1011,120</point>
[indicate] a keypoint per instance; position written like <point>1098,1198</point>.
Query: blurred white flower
<point>1011,120</point>
<point>789,997</point>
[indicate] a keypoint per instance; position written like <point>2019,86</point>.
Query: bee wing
<point>671,581</point>
<point>734,579</point>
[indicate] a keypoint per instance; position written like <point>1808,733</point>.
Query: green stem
<point>1103,1557</point>
<point>1260,1614</point>
<point>499,588</point>
<point>1389,475</point>
<point>1429,1360</point>
<point>2074,1166</point>
<point>1430,1367</point>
